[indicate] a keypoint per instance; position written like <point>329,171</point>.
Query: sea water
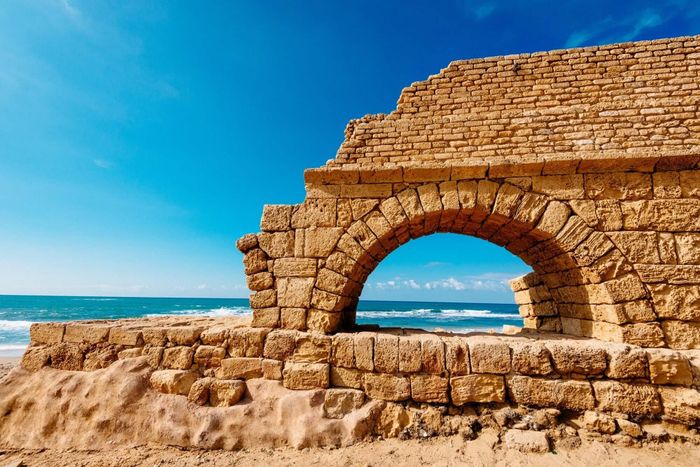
<point>18,312</point>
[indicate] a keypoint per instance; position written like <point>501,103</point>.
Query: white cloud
<point>411,284</point>
<point>478,10</point>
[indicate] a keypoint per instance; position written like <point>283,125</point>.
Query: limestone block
<point>66,356</point>
<point>477,388</point>
<point>486,195</point>
<point>247,342</point>
<point>553,219</point>
<point>667,185</point>
<point>260,281</point>
<point>639,247</point>
<point>226,392</point>
<point>209,356</point>
<point>317,212</point>
<point>247,243</point>
<point>507,201</point>
<point>199,391</point>
<point>85,333</point>
<point>263,299</point>
<point>366,190</point>
<point>638,399</point>
<point>183,335</point>
<point>277,244</point>
<point>619,185</point>
<point>393,212</point>
<point>432,355</point>
<point>255,261</point>
<point>489,356</point>
<point>643,334</point>
<point>331,281</point>
<point>598,422</point>
<point>531,358</point>
<point>275,217</point>
<point>320,241</point>
<point>457,356</point>
<point>386,387</point>
<point>46,333</point>
<point>266,317</point>
<point>669,367</point>
<point>526,441</point>
<point>429,388</point>
<point>410,359</point>
<point>626,362</point>
<point>467,192</point>
<point>681,334</point>
<point>630,428</point>
<point>153,355</point>
<point>468,171</point>
<point>155,336</point>
<point>538,392</point>
<point>346,377</point>
<point>35,358</point>
<point>279,344</point>
<point>339,402</point>
<point>676,301</point>
<point>364,351</point>
<point>99,358</point>
<point>293,318</point>
<point>559,186</point>
<point>272,369</point>
<point>679,215</point>
<point>178,358</point>
<point>294,292</point>
<point>173,381</point>
<point>305,375</point>
<point>531,208</point>
<point>384,174</point>
<point>361,207</point>
<point>342,353</point>
<point>295,267</point>
<point>681,404</point>
<point>323,321</point>
<point>577,357</point>
<point>312,348</point>
<point>125,336</point>
<point>130,353</point>
<point>426,173</point>
<point>690,183</point>
<point>386,353</point>
<point>240,368</point>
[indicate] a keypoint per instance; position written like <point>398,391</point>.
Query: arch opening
<point>443,282</point>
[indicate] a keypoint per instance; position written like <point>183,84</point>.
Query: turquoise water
<point>17,312</point>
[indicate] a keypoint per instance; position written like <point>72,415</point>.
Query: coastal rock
<point>173,381</point>
<point>339,402</point>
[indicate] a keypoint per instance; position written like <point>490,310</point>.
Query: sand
<point>109,418</point>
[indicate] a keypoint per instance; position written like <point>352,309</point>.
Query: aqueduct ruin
<point>582,162</point>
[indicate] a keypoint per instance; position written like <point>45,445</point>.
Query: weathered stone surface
<point>429,388</point>
<point>641,399</point>
<point>626,363</point>
<point>339,402</point>
<point>668,367</point>
<point>489,357</point>
<point>173,381</point>
<point>272,369</point>
<point>184,335</point>
<point>85,333</point>
<point>457,356</point>
<point>199,391</point>
<point>305,375</point>
<point>280,344</point>
<point>346,377</point>
<point>477,388</point>
<point>574,395</point>
<point>246,341</point>
<point>46,333</point>
<point>526,441</point>
<point>531,359</point>
<point>35,358</point>
<point>410,359</point>
<point>601,423</point>
<point>240,368</point>
<point>386,387</point>
<point>226,392</point>
<point>209,356</point>
<point>275,217</point>
<point>578,357</point>
<point>312,348</point>
<point>386,353</point>
<point>432,355</point>
<point>178,358</point>
<point>681,405</point>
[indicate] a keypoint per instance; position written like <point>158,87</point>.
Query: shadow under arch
<point>581,284</point>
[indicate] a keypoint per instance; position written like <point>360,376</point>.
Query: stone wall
<point>209,360</point>
<point>583,163</point>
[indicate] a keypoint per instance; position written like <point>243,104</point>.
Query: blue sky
<point>138,140</point>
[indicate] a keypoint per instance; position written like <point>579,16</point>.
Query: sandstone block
<point>294,291</point>
<point>626,363</point>
<point>280,344</point>
<point>66,356</point>
<point>673,301</point>
<point>477,388</point>
<point>578,357</point>
<point>305,375</point>
<point>387,387</point>
<point>312,348</point>
<point>323,321</point>
<point>386,353</point>
<point>346,377</point>
<point>630,428</point>
<point>317,212</point>
<point>320,241</point>
<point>275,217</point>
<point>247,342</point>
<point>272,369</point>
<point>130,353</point>
<point>85,333</point>
<point>184,335</point>
<point>173,381</point>
<point>293,318</point>
<point>457,356</point>
<point>225,393</point>
<point>364,351</point>
<point>178,358</point>
<point>277,244</point>
<point>240,368</point>
<point>537,392</point>
<point>598,422</point>
<point>155,336</point>
<point>263,299</point>
<point>266,317</point>
<point>432,355</point>
<point>46,333</point>
<point>125,336</point>
<point>681,405</point>
<point>342,353</point>
<point>295,267</point>
<point>410,359</point>
<point>489,357</point>
<point>260,281</point>
<point>532,359</point>
<point>681,334</point>
<point>199,391</point>
<point>429,388</point>
<point>35,358</point>
<point>339,402</point>
<point>639,399</point>
<point>247,243</point>
<point>668,367</point>
<point>255,261</point>
<point>153,355</point>
<point>209,356</point>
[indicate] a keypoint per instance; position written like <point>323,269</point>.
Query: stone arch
<point>575,267</point>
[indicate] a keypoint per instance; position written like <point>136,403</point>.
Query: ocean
<point>18,312</point>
